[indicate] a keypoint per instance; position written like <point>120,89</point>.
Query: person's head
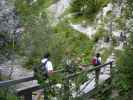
<point>98,55</point>
<point>47,55</point>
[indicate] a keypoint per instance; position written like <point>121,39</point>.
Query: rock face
<point>57,9</point>
<point>9,21</point>
<point>10,29</point>
<point>8,18</point>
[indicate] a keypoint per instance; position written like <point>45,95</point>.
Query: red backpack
<point>94,61</point>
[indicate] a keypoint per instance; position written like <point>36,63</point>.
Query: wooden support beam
<point>28,96</point>
<point>27,92</point>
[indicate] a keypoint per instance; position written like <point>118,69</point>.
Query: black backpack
<point>40,72</point>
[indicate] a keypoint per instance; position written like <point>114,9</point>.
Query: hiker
<point>47,66</point>
<point>97,61</point>
<point>107,39</point>
<point>122,36</point>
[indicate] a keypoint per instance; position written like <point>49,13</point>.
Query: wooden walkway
<point>105,73</point>
<point>91,83</point>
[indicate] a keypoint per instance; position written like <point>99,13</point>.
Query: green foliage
<point>25,8</point>
<point>7,45</point>
<point>106,52</point>
<point>72,42</point>
<point>124,74</point>
<point>101,32</point>
<point>114,41</point>
<point>120,22</point>
<point>39,37</point>
<point>125,71</point>
<point>87,8</point>
<point>129,9</point>
<point>124,64</point>
<point>7,94</point>
<point>36,39</point>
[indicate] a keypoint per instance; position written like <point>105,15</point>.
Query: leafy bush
<point>25,8</point>
<point>7,94</point>
<point>125,71</point>
<point>72,41</point>
<point>101,32</point>
<point>87,8</point>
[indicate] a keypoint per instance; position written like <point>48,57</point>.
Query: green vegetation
<point>36,38</point>
<point>25,8</point>
<point>63,41</point>
<point>87,9</point>
<point>40,37</point>
<point>7,46</point>
<point>120,22</point>
<point>101,32</point>
<point>74,42</point>
<point>7,94</point>
<point>124,72</point>
<point>106,53</point>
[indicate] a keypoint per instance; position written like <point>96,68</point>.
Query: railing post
<point>66,90</point>
<point>111,72</point>
<point>0,75</point>
<point>46,89</point>
<point>28,96</point>
<point>45,94</point>
<point>68,69</point>
<point>66,86</point>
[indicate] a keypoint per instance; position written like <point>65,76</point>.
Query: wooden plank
<point>13,82</point>
<point>92,92</point>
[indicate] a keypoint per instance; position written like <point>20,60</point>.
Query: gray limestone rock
<point>9,20</point>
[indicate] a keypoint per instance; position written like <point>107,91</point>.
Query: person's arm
<point>50,72</point>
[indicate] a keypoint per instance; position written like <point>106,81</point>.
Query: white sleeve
<point>49,66</point>
<point>100,59</point>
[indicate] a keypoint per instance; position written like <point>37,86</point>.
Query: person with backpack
<point>47,70</point>
<point>96,62</point>
<point>44,70</point>
<point>47,66</point>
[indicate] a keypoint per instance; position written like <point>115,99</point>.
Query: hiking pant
<point>97,73</point>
